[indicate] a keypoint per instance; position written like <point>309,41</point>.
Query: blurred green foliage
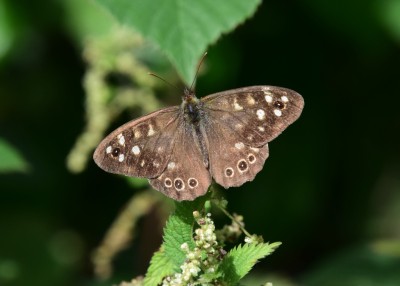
<point>328,191</point>
<point>11,160</point>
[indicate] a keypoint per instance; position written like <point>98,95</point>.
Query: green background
<point>330,190</point>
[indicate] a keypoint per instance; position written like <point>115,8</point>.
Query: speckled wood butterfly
<point>222,136</point>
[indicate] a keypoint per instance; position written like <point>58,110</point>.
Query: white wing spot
<point>171,165</point>
<point>136,150</point>
<point>268,97</point>
<point>151,131</point>
<point>236,105</point>
<point>121,157</point>
<point>277,112</point>
<point>121,139</point>
<point>142,163</point>
<point>255,149</point>
<point>262,129</point>
<point>108,149</point>
<point>239,145</point>
<point>261,114</point>
<point>284,98</point>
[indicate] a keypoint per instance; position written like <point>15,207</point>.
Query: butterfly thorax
<point>191,107</point>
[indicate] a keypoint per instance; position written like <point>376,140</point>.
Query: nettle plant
<point>194,252</point>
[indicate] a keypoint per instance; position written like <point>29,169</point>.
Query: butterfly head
<point>188,95</point>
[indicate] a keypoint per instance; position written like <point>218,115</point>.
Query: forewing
<point>142,147</point>
<point>186,176</point>
<point>256,114</point>
<point>239,124</point>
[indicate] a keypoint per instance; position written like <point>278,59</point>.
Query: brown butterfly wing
<point>186,176</point>
<point>233,162</point>
<point>142,147</point>
<point>258,114</point>
<point>160,147</point>
<point>239,125</point>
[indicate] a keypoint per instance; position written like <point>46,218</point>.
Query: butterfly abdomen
<point>193,115</point>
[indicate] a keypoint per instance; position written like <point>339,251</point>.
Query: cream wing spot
<point>260,114</point>
<point>171,165</point>
<point>136,150</point>
<point>268,96</point>
<point>277,112</point>
<point>239,145</point>
<point>250,100</point>
<point>261,128</point>
<point>108,149</point>
<point>137,134</point>
<point>236,105</point>
<point>121,157</point>
<point>284,98</point>
<point>121,139</point>
<point>151,131</point>
<point>142,163</point>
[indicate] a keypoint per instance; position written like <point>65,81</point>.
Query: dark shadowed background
<point>330,190</point>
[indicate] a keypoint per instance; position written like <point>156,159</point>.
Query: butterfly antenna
<point>198,68</point>
<point>167,82</point>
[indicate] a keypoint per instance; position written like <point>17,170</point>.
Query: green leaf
<point>10,159</point>
<point>179,229</point>
<point>182,29</point>
<point>160,267</point>
<point>239,261</point>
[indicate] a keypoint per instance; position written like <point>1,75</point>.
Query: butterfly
<point>223,136</point>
